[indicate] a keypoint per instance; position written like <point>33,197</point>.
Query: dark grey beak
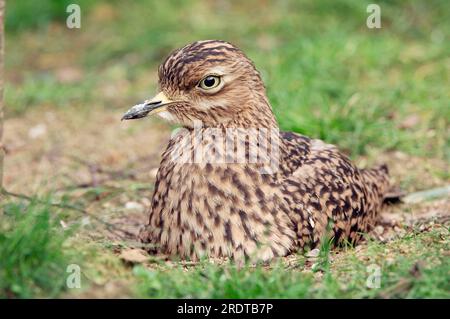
<point>141,110</point>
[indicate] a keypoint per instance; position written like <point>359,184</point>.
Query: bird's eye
<point>209,82</point>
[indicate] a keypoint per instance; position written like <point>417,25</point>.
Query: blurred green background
<point>327,74</point>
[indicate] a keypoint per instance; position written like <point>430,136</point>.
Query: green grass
<point>338,278</point>
<point>45,90</point>
<point>38,255</point>
<point>222,282</point>
<point>26,15</point>
<point>34,258</point>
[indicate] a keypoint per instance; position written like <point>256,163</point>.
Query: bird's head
<point>211,82</point>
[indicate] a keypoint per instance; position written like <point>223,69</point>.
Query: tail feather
<point>377,179</point>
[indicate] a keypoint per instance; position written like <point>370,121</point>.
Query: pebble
<point>134,206</point>
<point>37,131</point>
<point>313,253</point>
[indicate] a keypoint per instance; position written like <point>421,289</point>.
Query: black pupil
<point>209,81</point>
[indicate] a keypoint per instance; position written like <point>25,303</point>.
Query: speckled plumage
<point>232,209</point>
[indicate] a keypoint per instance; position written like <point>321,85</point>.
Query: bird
<point>298,193</point>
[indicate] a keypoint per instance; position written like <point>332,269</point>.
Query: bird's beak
<point>149,107</point>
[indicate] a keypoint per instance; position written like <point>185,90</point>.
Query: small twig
<point>100,182</point>
<point>65,206</point>
<point>96,168</point>
<point>111,175</point>
<point>30,199</point>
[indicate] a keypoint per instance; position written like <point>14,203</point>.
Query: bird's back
<point>328,192</point>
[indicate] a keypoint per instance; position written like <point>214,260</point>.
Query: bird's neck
<point>257,111</point>
<point>253,113</point>
<point>257,117</point>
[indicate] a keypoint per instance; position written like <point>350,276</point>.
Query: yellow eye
<point>209,82</point>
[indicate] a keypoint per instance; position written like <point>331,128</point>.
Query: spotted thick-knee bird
<point>280,193</point>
